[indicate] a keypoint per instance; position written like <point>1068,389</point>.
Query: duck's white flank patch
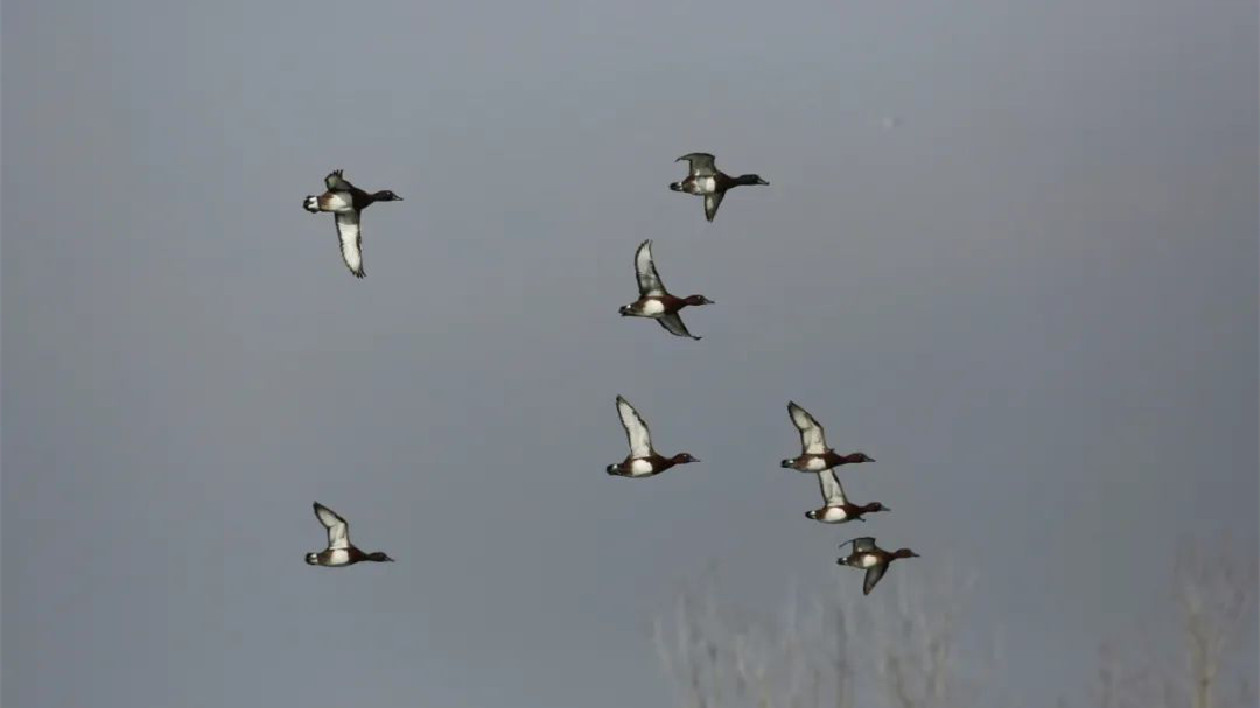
<point>867,561</point>
<point>653,307</point>
<point>338,557</point>
<point>707,184</point>
<point>339,201</point>
<point>834,515</point>
<point>640,467</point>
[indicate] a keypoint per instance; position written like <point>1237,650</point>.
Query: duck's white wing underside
<point>832,491</point>
<point>637,433</point>
<point>674,325</point>
<point>711,204</point>
<point>351,238</point>
<point>702,163</point>
<point>338,529</point>
<point>813,439</point>
<point>873,574</point>
<point>645,270</point>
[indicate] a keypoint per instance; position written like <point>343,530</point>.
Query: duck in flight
<point>873,558</point>
<point>347,202</point>
<point>654,301</point>
<point>815,455</point>
<point>643,460</point>
<point>340,551</point>
<point>705,179</point>
<point>837,509</point>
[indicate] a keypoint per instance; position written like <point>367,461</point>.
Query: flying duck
<point>654,301</point>
<point>346,201</point>
<point>703,178</point>
<point>873,558</point>
<point>340,551</point>
<point>643,460</point>
<point>815,455</point>
<point>836,506</point>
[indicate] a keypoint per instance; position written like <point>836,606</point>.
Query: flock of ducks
<point>346,202</point>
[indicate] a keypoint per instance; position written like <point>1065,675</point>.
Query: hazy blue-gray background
<point>1034,302</point>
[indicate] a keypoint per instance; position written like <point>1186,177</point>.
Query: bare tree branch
<point>1215,585</point>
<point>724,658</point>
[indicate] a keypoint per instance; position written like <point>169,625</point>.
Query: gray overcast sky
<point>1034,301</point>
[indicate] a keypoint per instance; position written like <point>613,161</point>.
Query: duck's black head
<point>386,195</point>
<point>750,179</point>
<point>379,557</point>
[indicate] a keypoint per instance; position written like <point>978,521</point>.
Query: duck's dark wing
<point>832,490</point>
<point>674,325</point>
<point>645,268</point>
<point>813,437</point>
<point>711,204</point>
<point>861,544</point>
<point>701,164</point>
<point>351,238</point>
<point>873,574</point>
<point>637,433</point>
<point>336,183</point>
<point>338,528</point>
